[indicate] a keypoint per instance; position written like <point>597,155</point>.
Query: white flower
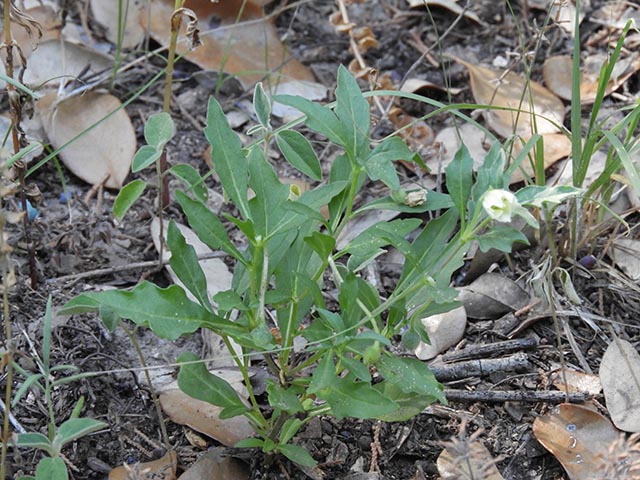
<point>500,205</point>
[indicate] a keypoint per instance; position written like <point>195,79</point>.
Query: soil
<point>78,236</point>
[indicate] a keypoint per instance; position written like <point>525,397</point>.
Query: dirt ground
<point>80,236</point>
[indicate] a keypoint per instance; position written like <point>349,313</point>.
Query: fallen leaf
<point>558,72</point>
<point>204,417</point>
<point>492,295</point>
<point>626,254</point>
<point>620,377</point>
<point>214,465</point>
<point>65,120</point>
<point>450,5</point>
<point>445,330</point>
<point>106,14</point>
<point>514,92</point>
<point>576,382</point>
<point>162,469</point>
<point>250,48</point>
<point>578,437</point>
<point>449,142</point>
<point>475,462</point>
<point>556,147</point>
<point>60,61</point>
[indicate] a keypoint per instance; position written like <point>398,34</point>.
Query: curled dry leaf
<point>28,39</point>
<point>557,73</point>
<point>578,437</point>
<point>70,118</point>
<point>162,469</point>
<point>250,48</point>
<point>620,377</point>
<point>492,295</point>
<point>445,330</point>
<point>531,108</point>
<point>106,14</point>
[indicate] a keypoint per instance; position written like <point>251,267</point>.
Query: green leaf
<point>410,375</point>
<point>207,226</point>
<point>409,404</point>
<point>167,311</point>
<point>380,164</point>
<point>459,178</point>
<point>289,429</point>
<point>491,173</point>
<point>262,105</point>
<point>127,196</point>
<point>250,443</point>
<point>185,264</point>
<point>322,244</point>
<point>353,111</point>
<point>538,196</point>
<point>297,454</point>
<point>501,237</point>
<point>192,178</point>
<point>35,440</point>
<point>283,399</point>
<point>196,381</point>
<point>356,399</point>
<point>299,153</point>
<point>357,368</point>
<point>74,429</point>
<point>319,118</point>
<point>159,129</point>
<point>145,156</point>
<point>51,469</point>
<point>227,156</point>
<point>322,195</point>
<point>228,300</point>
<point>324,374</point>
<point>266,206</point>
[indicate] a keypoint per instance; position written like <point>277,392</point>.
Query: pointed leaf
<point>192,178</point>
<point>356,399</point>
<point>227,156</point>
<point>319,118</point>
<point>297,454</point>
<point>299,153</point>
<point>76,428</point>
<point>185,264</point>
<point>196,381</point>
<point>459,178</point>
<point>261,105</point>
<point>207,226</point>
<point>353,111</point>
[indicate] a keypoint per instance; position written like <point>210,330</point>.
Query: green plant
<point>52,467</point>
<point>326,356</point>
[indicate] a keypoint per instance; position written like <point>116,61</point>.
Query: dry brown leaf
<point>60,61</point>
<point>620,377</point>
<point>475,462</point>
<point>449,141</point>
<point>444,330</point>
<point>162,469</point>
<point>492,295</point>
<point>450,5</point>
<point>556,147</point>
<point>214,465</point>
<point>47,18</point>
<point>241,47</point>
<point>557,73</point>
<point>578,437</point>
<point>576,382</point>
<point>626,254</point>
<point>513,92</point>
<point>105,152</point>
<point>204,418</point>
<point>106,14</point>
